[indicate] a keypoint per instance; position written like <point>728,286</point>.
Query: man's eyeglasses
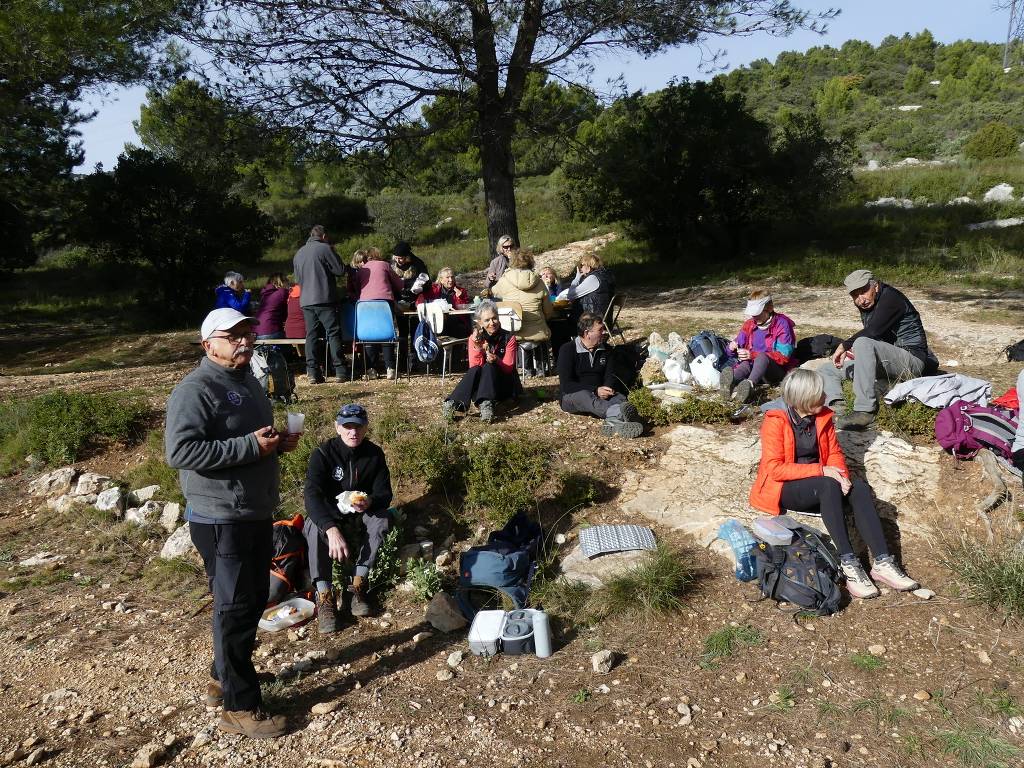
<point>237,338</point>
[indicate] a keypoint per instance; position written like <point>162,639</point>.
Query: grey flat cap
<point>858,279</point>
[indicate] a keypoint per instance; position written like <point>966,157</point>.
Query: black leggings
<point>823,495</point>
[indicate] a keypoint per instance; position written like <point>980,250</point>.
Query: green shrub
<point>909,418</point>
<point>62,427</point>
<point>14,421</point>
<point>386,570</point>
<point>503,475</point>
<point>651,588</point>
<point>726,641</point>
<point>400,215</point>
<point>693,409</point>
<point>996,139</point>
<point>424,577</point>
<point>993,575</point>
<point>390,423</point>
<point>433,456</point>
<point>576,490</point>
<point>649,407</point>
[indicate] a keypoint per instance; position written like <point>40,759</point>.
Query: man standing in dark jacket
<point>410,267</point>
<point>347,495</point>
<point>220,436</point>
<point>893,345</point>
<point>586,377</point>
<point>316,266</point>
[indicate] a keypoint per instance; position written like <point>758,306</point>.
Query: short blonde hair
<point>444,270</point>
<point>803,390</point>
<point>502,241</point>
<point>591,260</point>
<point>521,259</point>
<point>374,254</point>
<point>359,257</point>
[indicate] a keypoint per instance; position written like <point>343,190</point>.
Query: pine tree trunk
<point>499,181</point>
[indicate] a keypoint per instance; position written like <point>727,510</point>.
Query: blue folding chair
<point>373,324</point>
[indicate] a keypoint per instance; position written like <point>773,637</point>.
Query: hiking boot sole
<point>628,429</point>
<point>628,412</point>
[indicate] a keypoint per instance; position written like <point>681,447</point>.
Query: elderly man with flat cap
<point>220,436</point>
<point>892,346</point>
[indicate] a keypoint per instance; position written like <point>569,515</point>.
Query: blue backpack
<point>710,343</point>
<point>424,341</point>
<point>506,563</point>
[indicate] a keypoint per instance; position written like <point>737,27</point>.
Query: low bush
<point>424,577</point>
<point>503,475</point>
<point>576,490</point>
<point>386,570</point>
<point>993,575</point>
<point>726,641</point>
<point>400,215</point>
<point>565,599</point>
<point>907,419</point>
<point>61,427</point>
<point>649,407</point>
<point>390,423</point>
<point>649,589</point>
<point>996,139</point>
<point>434,456</point>
<point>693,409</point>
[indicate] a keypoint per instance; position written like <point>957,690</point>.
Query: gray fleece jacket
<point>211,416</point>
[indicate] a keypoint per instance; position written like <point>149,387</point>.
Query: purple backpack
<point>964,428</point>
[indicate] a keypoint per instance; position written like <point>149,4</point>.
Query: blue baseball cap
<point>353,413</point>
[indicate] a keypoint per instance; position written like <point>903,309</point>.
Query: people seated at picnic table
<point>764,349</point>
<point>591,289</point>
<point>802,469</point>
<point>446,289</point>
<point>550,280</point>
<point>499,263</point>
<point>588,381</point>
<point>345,532</point>
<point>295,323</point>
<point>376,280</point>
<point>892,346</point>
<point>273,309</point>
<point>520,283</point>
<point>410,267</point>
<point>233,294</point>
<point>492,374</point>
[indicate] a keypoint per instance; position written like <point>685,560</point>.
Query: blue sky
<point>872,20</point>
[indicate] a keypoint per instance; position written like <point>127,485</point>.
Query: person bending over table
<point>492,373</point>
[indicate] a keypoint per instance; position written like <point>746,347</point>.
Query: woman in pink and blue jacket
<point>764,349</point>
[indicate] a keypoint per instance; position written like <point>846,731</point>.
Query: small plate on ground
<point>287,614</point>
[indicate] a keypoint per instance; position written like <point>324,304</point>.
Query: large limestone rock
<point>90,483</point>
<point>705,476</point>
<point>443,613</point>
<point>63,504</point>
<point>595,572</point>
<point>178,544</point>
<point>170,516</point>
<point>111,500</point>
<point>54,483</point>
<point>142,495</point>
<point>1000,193</point>
<point>147,513</point>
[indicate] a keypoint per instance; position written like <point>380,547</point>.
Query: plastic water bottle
<point>741,541</point>
<point>541,634</point>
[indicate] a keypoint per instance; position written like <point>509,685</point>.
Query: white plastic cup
<point>296,423</point>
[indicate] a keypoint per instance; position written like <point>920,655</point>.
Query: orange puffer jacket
<point>778,457</point>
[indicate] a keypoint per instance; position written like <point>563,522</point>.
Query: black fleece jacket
<point>581,369</point>
<point>333,468</point>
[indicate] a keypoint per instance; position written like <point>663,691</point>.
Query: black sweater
<point>579,369</point>
<point>894,320</point>
<point>333,468</point>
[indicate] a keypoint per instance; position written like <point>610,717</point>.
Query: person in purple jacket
<point>764,349</point>
<point>273,309</point>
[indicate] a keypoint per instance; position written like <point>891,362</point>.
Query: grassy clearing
<point>650,589</point>
<point>40,578</point>
<point>153,470</point>
<point>993,575</point>
<point>865,662</point>
<point>999,702</point>
<point>175,579</point>
<point>976,748</point>
<point>726,641</point>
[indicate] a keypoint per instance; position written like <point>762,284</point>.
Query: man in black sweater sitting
<point>588,384</point>
<point>892,345</point>
<point>347,494</point>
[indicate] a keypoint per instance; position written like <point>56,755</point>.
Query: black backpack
<point>270,367</point>
<point>289,559</point>
<point>804,572</point>
<point>1015,352</point>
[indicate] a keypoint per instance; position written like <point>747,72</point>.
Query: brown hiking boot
<point>326,613</point>
<point>254,723</point>
<point>359,605</point>
<point>214,693</point>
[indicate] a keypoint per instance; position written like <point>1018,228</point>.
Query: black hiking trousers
<point>237,560</point>
<point>824,496</point>
<point>484,382</point>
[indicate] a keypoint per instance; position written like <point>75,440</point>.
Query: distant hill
<point>910,96</point>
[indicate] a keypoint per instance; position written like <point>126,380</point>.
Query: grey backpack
<point>804,572</point>
<point>271,370</point>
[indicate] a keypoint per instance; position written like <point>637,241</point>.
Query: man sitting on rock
<point>892,345</point>
<point>586,377</point>
<point>347,494</point>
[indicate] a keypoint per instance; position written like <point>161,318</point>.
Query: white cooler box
<point>485,632</point>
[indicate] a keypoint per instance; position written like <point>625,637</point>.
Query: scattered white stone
<point>1014,221</point>
<point>983,657</point>
<point>890,202</point>
<point>876,650</point>
<point>602,688</point>
<point>443,613</point>
<point>922,695</point>
<point>962,200</point>
<point>142,495</point>
<point>201,739</point>
<point>179,544</point>
<point>455,659</point>
<point>419,637</point>
<point>924,594</point>
<point>90,483</point>
<point>147,513</point>
<point>560,539</point>
<point>43,558</point>
<point>1000,193</point>
<point>602,662</point>
<point>62,504</point>
<point>53,483</point>
<point>59,695</point>
<point>170,517</point>
<point>873,165</point>
<point>908,107</point>
<point>444,675</point>
<point>149,755</point>
<point>111,500</point>
<point>952,363</point>
<point>324,707</point>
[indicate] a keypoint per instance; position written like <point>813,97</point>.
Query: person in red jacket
<point>376,280</point>
<point>802,468</point>
<point>492,373</point>
<point>446,288</point>
<point>295,323</point>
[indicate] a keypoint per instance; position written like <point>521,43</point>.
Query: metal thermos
<point>541,634</point>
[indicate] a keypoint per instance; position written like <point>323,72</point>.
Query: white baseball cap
<point>756,306</point>
<point>222,319</point>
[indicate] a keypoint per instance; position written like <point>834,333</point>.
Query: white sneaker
<point>391,374</point>
<point>857,582</point>
<point>890,574</point>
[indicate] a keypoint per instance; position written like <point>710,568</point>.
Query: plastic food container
<point>287,614</point>
<point>517,634</point>
<point>485,633</point>
<point>771,530</point>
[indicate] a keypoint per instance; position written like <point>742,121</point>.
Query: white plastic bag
<point>675,372</point>
<point>704,371</point>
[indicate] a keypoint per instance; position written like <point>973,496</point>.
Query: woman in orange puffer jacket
<point>802,468</point>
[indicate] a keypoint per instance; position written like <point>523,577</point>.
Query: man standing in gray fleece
<point>316,267</point>
<point>220,436</point>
